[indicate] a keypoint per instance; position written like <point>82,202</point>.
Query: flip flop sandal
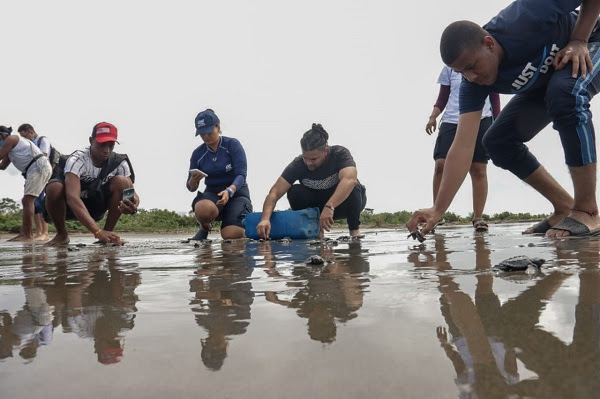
<point>480,225</point>
<point>576,228</point>
<point>540,228</point>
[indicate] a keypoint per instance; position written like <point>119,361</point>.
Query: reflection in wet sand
<point>484,338</point>
<point>565,370</point>
<point>324,295</point>
<point>384,317</point>
<point>222,299</point>
<point>96,301</point>
<point>223,292</point>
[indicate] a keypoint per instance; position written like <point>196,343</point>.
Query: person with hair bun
<point>327,179</point>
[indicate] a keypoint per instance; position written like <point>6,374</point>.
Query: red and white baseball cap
<point>104,132</point>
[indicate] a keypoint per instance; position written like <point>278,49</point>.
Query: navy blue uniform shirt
<point>224,167</point>
<point>531,32</point>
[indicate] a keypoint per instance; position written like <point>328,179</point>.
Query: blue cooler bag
<point>303,223</point>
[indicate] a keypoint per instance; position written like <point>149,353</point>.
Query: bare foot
<point>41,237</point>
<point>22,238</point>
<point>58,240</point>
<point>591,222</point>
<point>552,219</point>
<point>354,233</point>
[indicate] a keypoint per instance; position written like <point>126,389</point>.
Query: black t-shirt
<point>326,176</point>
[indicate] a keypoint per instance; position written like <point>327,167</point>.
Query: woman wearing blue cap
<point>221,161</point>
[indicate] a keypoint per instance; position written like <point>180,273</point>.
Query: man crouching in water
<point>91,182</point>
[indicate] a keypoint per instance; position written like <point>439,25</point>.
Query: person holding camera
<point>87,184</point>
<point>221,162</point>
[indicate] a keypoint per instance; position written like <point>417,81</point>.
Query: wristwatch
<point>230,191</point>
<point>330,207</point>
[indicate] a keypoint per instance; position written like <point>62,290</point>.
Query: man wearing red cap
<point>88,183</point>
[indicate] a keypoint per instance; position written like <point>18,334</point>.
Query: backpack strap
<point>113,162</point>
<point>38,142</point>
<point>59,171</point>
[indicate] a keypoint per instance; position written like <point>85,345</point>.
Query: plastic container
<point>303,223</point>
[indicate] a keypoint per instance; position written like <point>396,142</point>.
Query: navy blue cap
<point>206,121</point>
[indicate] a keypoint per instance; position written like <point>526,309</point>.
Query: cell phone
<point>128,194</point>
<point>198,172</point>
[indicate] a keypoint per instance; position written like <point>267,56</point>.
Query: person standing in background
<point>34,167</point>
<point>447,102</point>
<point>41,227</point>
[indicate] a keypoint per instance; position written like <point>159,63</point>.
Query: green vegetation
<point>387,219</point>
<point>162,220</point>
<point>10,215</point>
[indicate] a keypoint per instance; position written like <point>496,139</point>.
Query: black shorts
<point>96,209</point>
<point>234,212</point>
<point>446,137</point>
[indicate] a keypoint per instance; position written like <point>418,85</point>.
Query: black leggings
<point>301,197</point>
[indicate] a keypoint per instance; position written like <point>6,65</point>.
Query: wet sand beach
<point>385,317</point>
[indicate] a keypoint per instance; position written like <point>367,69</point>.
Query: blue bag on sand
<point>303,223</point>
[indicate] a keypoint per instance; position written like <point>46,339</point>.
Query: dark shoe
<point>200,235</point>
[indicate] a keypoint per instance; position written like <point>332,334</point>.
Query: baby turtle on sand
<point>416,235</point>
<point>519,263</point>
<point>350,238</point>
<point>315,260</point>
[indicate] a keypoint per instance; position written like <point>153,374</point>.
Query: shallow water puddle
<point>383,317</point>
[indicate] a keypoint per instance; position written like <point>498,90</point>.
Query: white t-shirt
<point>23,153</point>
<point>43,144</point>
<point>453,79</point>
<point>80,164</point>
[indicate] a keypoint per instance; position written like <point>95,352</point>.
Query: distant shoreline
<point>337,226</point>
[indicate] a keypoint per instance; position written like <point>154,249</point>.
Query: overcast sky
<point>366,70</point>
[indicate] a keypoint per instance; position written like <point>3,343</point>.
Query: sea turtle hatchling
<point>315,260</point>
<point>416,235</point>
<point>520,263</point>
